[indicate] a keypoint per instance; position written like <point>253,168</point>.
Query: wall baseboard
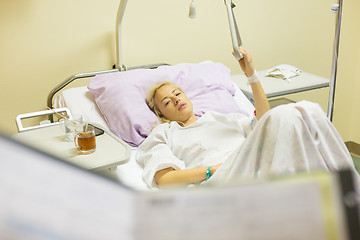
<point>353,147</point>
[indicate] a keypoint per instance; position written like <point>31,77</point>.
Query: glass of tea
<point>85,139</point>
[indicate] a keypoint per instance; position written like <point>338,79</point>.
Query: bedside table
<point>110,150</point>
<point>274,87</point>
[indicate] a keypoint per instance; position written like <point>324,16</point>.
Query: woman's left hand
<point>214,168</point>
<point>246,62</point>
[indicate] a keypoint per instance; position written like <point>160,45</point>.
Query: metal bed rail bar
<point>71,79</point>
<point>91,74</point>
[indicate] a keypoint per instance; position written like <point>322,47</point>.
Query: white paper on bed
<point>80,100</point>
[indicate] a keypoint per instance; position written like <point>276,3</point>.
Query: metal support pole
<point>336,8</point>
<point>120,14</point>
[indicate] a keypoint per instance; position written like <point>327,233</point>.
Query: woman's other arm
<point>184,177</point>
<point>260,99</point>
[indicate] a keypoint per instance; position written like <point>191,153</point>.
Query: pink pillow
<point>121,96</point>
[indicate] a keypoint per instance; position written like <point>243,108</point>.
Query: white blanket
<point>288,139</point>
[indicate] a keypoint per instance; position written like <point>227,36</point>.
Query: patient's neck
<point>190,120</point>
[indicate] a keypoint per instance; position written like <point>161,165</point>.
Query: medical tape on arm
<point>253,79</point>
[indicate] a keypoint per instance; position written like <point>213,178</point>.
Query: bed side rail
<point>19,118</point>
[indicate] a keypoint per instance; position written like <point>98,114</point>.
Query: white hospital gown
<point>287,139</point>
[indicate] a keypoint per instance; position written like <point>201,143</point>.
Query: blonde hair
<point>150,100</point>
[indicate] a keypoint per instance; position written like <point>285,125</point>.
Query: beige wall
<point>347,98</point>
<point>45,41</point>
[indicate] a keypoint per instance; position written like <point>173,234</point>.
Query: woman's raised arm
<point>260,99</point>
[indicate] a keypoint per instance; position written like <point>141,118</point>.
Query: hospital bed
<point>116,101</point>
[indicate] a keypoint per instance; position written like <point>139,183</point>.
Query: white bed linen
<point>80,100</point>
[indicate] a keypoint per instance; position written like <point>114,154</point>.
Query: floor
<point>356,162</point>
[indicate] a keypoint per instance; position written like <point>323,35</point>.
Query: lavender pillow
<point>121,96</point>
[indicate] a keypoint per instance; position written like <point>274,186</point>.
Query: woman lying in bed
<point>217,148</point>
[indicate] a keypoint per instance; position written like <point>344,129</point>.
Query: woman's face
<point>173,103</point>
